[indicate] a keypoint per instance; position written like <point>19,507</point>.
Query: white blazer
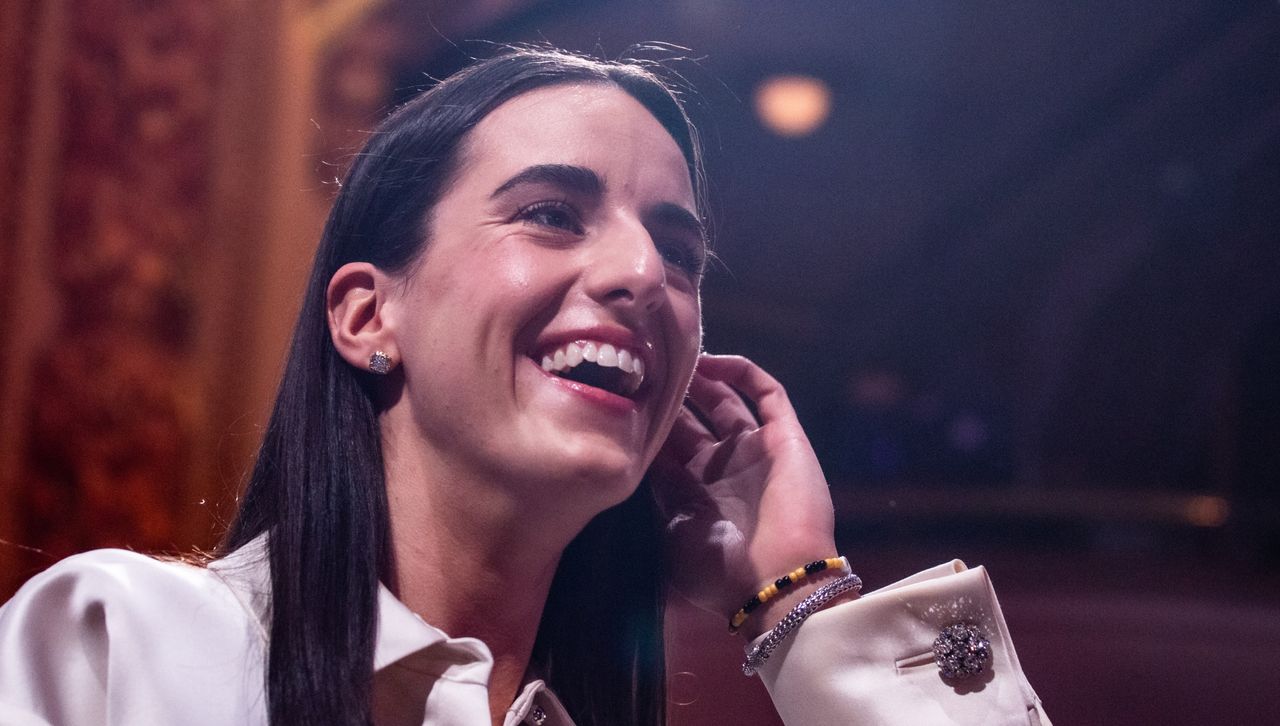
<point>117,638</point>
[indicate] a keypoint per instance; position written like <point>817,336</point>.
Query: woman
<point>498,334</point>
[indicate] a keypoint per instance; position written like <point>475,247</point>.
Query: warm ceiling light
<point>793,105</point>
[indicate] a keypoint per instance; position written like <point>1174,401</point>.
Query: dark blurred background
<point>1018,265</point>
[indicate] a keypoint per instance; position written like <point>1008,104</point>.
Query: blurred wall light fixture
<point>1207,511</point>
<point>793,105</point>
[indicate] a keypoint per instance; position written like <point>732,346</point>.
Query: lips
<point>614,368</point>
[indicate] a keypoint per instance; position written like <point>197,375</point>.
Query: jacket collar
<point>418,669</point>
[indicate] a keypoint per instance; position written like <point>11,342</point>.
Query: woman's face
<point>568,235</point>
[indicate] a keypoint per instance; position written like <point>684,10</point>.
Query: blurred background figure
<point>1019,268</point>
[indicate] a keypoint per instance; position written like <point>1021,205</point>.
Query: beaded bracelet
<point>771,590</point>
<point>808,606</point>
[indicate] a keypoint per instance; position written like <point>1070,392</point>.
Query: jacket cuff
<point>870,660</point>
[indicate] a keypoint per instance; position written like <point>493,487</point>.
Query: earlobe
<point>354,301</point>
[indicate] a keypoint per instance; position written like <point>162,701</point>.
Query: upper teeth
<point>602,354</point>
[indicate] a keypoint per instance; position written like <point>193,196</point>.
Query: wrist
<point>775,599</point>
<point>763,647</point>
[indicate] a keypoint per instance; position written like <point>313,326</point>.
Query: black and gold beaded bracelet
<point>771,590</point>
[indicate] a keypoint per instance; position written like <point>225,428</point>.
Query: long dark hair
<point>317,487</point>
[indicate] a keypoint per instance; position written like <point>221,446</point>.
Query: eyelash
<point>530,213</point>
<point>692,256</point>
<point>688,256</point>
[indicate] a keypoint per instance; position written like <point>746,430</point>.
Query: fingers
<point>750,379</point>
<point>721,406</point>
<point>674,489</point>
<point>688,436</point>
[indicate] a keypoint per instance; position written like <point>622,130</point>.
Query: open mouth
<point>601,365</point>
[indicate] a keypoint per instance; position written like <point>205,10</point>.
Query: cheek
<point>516,271</point>
<point>482,290</point>
<point>689,324</point>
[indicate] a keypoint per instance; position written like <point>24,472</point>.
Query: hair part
<point>318,490</point>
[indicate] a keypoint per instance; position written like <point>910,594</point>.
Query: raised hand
<point>744,497</point>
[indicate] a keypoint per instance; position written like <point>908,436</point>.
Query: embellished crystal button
<point>537,716</point>
<point>961,652</point>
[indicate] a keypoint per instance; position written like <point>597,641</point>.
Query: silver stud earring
<point>380,363</point>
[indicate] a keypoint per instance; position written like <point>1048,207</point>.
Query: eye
<point>688,255</point>
<point>552,214</point>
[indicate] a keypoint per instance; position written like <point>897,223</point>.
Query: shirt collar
<point>411,656</point>
<point>402,633</point>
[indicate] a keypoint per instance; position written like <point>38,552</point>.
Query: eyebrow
<point>571,178</point>
<point>581,180</point>
<point>674,215</point>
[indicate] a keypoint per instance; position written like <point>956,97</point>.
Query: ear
<point>354,300</point>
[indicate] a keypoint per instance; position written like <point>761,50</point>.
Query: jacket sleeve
<point>113,638</point>
<point>54,649</point>
<point>870,661</point>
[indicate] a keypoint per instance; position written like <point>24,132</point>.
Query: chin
<point>591,467</point>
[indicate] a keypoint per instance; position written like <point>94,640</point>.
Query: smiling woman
<point>494,422</point>
<point>462,247</point>
<point>561,214</point>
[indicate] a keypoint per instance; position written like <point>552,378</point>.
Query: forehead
<point>595,125</point>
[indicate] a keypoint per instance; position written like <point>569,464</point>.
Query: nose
<point>626,268</point>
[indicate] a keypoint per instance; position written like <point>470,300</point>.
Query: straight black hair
<point>317,489</point>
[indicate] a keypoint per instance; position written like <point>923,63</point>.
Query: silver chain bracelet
<point>798,614</point>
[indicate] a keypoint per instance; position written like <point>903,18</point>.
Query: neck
<point>474,560</point>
